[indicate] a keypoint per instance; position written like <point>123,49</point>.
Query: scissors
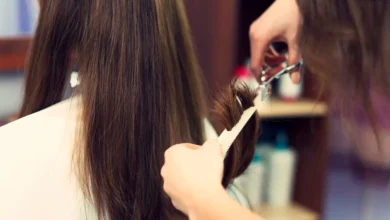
<point>227,137</point>
<point>264,89</point>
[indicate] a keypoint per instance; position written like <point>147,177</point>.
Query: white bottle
<point>282,169</point>
<point>255,179</point>
<point>250,182</point>
<point>264,149</point>
<point>287,90</point>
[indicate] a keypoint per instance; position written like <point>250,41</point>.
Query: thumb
<point>294,56</point>
<point>212,146</point>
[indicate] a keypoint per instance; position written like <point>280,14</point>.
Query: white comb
<point>227,138</point>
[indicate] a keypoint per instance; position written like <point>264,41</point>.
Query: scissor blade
<point>266,79</point>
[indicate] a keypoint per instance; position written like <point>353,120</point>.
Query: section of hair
<point>49,63</point>
<point>228,108</point>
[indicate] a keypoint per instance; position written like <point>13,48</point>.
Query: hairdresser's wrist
<point>203,203</point>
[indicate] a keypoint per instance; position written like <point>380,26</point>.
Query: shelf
<point>293,212</point>
<point>302,108</point>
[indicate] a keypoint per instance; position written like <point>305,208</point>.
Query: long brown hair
<point>141,93</point>
<point>140,89</point>
<point>347,44</point>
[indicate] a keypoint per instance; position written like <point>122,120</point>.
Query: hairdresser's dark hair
<point>140,90</point>
<point>347,44</point>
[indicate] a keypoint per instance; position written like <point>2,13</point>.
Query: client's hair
<point>141,93</point>
<point>228,108</point>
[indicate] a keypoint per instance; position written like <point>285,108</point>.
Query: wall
<point>17,18</point>
<point>10,94</point>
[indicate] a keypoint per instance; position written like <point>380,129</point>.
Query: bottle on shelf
<point>255,181</point>
<point>264,149</point>
<point>251,181</point>
<point>244,74</point>
<point>287,90</point>
<point>281,164</point>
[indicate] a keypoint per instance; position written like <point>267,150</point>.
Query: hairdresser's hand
<point>281,22</point>
<point>191,172</point>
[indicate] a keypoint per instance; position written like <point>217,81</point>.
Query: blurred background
<point>17,22</point>
<point>334,167</point>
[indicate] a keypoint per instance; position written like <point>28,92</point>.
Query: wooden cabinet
<point>214,27</point>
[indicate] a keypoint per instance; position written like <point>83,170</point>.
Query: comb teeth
<point>239,100</point>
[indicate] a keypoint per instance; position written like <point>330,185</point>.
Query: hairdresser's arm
<point>192,178</point>
<point>281,22</point>
<point>218,206</point>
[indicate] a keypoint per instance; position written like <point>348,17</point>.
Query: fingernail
<point>296,77</point>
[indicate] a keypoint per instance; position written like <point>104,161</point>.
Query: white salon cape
<point>36,179</point>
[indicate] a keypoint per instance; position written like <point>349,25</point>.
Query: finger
<point>259,45</point>
<point>273,72</point>
<point>168,190</point>
<point>296,77</point>
<point>175,202</point>
<point>294,56</point>
<point>162,171</point>
<point>178,149</point>
<point>274,60</point>
<point>174,151</point>
<point>183,146</point>
<point>192,146</point>
<point>180,207</point>
<point>213,146</point>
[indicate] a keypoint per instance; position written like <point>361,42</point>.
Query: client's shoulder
<point>35,162</point>
<point>41,126</point>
